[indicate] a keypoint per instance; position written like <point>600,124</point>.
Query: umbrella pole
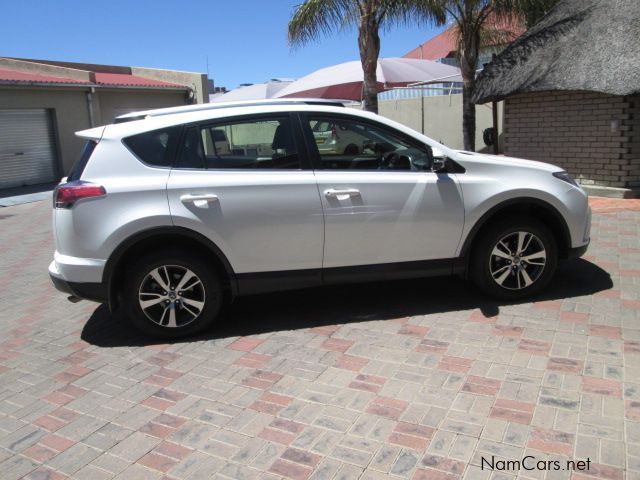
<point>494,112</point>
<point>422,109</point>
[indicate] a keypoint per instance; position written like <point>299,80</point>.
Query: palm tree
<point>314,18</point>
<point>474,22</point>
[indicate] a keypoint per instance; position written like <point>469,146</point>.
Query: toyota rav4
<point>170,213</point>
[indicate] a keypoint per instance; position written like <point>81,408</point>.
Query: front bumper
<point>580,250</point>
<point>96,292</point>
<point>577,252</point>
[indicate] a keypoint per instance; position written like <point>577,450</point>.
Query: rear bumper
<point>77,269</point>
<point>96,292</point>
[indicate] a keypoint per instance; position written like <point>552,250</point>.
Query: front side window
<point>349,144</point>
<point>241,144</point>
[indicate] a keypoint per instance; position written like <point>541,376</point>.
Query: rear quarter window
<point>81,163</point>
<point>156,148</point>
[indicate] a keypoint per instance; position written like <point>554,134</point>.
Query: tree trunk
<point>468,57</point>
<point>369,43</point>
<point>468,119</point>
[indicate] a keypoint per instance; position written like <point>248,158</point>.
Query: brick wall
<point>632,144</point>
<point>596,137</point>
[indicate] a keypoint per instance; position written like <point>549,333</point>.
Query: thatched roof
<point>591,45</point>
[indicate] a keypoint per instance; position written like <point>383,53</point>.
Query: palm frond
<point>314,18</point>
<point>531,11</point>
<point>491,35</point>
<point>407,12</point>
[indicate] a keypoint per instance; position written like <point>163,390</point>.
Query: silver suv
<point>170,213</point>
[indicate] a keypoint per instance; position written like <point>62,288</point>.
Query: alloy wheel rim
<point>171,296</point>
<point>517,260</point>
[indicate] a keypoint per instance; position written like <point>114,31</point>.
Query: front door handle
<point>341,194</point>
<point>199,200</point>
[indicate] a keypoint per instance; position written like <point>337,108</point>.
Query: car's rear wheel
<point>514,258</point>
<point>170,294</point>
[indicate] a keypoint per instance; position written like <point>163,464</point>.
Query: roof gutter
<point>140,87</point>
<point>5,83</point>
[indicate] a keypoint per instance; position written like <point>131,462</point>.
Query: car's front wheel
<point>514,258</point>
<point>170,294</point>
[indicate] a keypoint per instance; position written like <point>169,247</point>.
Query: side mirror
<point>429,152</point>
<point>439,165</point>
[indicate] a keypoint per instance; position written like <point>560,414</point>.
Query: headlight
<point>565,177</point>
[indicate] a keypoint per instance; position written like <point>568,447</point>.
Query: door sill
<point>265,282</point>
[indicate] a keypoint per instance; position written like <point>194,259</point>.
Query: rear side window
<point>155,148</point>
<point>256,143</point>
<point>81,163</point>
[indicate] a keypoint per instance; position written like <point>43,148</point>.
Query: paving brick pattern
<point>416,379</point>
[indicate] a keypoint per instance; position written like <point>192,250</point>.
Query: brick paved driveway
<point>417,379</point>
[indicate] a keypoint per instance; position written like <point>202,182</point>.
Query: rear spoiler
<point>92,133</point>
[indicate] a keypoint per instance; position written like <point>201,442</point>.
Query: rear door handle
<point>341,194</point>
<point>199,200</point>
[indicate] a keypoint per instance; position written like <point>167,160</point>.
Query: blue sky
<point>245,40</point>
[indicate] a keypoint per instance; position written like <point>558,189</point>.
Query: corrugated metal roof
<point>121,79</point>
<point>22,77</point>
<point>444,44</point>
<point>102,79</point>
<point>436,48</point>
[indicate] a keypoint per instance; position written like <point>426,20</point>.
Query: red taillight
<point>67,194</point>
<point>334,133</point>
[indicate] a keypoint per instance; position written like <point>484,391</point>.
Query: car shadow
<point>350,303</point>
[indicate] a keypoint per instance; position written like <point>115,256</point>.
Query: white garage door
<point>27,151</point>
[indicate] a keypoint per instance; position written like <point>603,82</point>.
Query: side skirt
<point>265,282</point>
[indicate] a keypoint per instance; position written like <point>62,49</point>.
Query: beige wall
<point>111,103</point>
<point>70,112</point>
<point>43,69</point>
<point>442,118</point>
<point>594,136</point>
<point>196,81</point>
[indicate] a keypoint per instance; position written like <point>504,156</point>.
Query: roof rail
<point>129,117</point>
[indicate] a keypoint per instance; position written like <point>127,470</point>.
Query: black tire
<point>488,269</point>
<point>172,263</point>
